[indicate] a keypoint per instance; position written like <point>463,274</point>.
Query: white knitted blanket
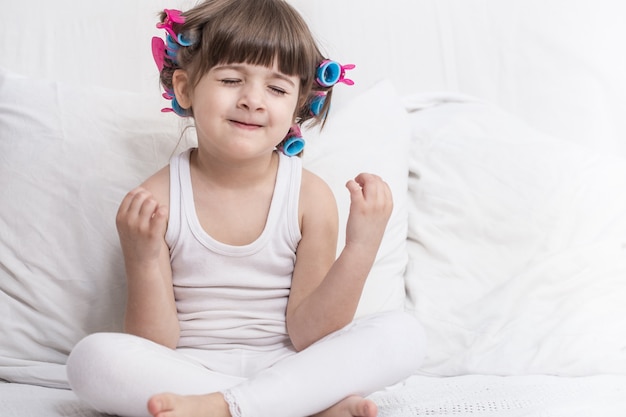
<point>491,396</point>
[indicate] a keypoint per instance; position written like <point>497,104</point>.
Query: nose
<point>252,97</point>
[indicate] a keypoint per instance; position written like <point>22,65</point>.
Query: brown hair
<point>255,32</point>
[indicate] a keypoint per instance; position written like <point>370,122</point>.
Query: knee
<point>82,358</point>
<point>93,357</point>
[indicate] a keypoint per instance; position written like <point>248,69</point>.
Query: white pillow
<point>68,155</point>
<point>517,246</point>
<point>370,133</point>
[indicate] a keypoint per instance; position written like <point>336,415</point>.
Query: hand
<point>371,204</point>
<point>141,222</point>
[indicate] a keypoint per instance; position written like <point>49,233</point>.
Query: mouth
<point>244,125</point>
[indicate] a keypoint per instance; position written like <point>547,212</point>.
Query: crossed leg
<point>334,375</point>
<point>120,374</point>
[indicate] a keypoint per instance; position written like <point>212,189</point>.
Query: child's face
<point>244,109</point>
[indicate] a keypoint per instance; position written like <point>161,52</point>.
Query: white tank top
<point>233,296</point>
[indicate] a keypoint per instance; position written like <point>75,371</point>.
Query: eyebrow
<point>242,68</point>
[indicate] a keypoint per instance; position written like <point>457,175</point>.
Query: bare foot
<point>353,406</point>
<point>172,405</point>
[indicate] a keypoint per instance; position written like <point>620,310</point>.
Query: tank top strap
<point>293,175</point>
<point>178,163</point>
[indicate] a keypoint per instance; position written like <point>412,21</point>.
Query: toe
<point>160,404</point>
<point>368,408</point>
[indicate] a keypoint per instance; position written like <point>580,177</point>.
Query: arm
<point>141,222</point>
<point>325,294</point>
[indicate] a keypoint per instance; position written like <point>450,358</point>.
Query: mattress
<point>463,396</point>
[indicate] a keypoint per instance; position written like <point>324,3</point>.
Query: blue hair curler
<point>328,73</point>
<point>317,103</point>
<point>293,146</point>
<point>294,143</point>
<point>171,47</point>
<point>183,41</point>
<point>176,108</point>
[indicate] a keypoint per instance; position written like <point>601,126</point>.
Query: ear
<point>180,82</point>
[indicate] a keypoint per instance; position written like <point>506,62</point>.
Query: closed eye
<point>230,81</point>
<point>277,90</point>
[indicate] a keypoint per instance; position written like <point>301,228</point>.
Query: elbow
<point>169,339</point>
<point>304,336</point>
<point>297,341</point>
<point>170,342</point>
<point>300,340</point>
<point>299,344</point>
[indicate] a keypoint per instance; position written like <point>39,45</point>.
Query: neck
<point>234,174</point>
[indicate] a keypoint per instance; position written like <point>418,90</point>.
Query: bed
<point>498,125</point>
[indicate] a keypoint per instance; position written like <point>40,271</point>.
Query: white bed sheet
<point>463,396</point>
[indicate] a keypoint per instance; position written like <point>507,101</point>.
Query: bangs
<point>260,35</point>
<point>264,47</point>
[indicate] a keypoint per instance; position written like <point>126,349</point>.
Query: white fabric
<point>463,396</point>
<point>24,400</point>
<point>369,134</point>
<point>555,64</point>
<point>492,396</point>
<point>68,156</point>
<point>517,245</point>
<point>117,373</point>
<point>242,302</point>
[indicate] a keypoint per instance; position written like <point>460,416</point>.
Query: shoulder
<point>159,185</point>
<point>314,186</point>
<point>316,198</point>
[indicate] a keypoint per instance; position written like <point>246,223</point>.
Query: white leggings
<point>117,373</point>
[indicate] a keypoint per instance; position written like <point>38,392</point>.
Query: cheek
<point>294,107</point>
<point>212,101</point>
<point>283,123</point>
<point>289,114</point>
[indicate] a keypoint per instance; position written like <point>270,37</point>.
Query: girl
<point>236,304</point>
